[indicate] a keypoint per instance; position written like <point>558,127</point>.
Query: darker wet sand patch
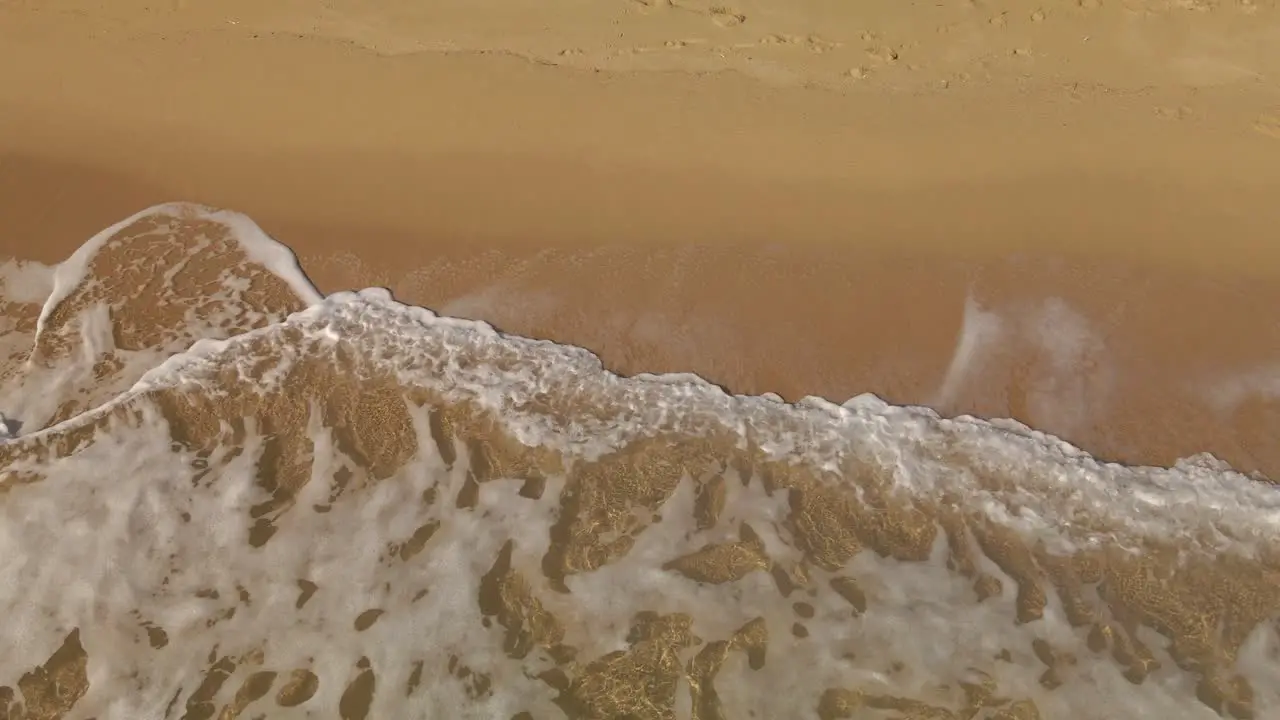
<point>1140,362</point>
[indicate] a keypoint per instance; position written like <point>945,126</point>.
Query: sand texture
<point>367,511</point>
<point>1063,213</point>
<point>676,185</point>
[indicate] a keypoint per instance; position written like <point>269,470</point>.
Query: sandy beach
<point>1063,213</point>
<point>230,489</point>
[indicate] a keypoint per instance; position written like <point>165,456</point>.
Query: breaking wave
<point>226,496</point>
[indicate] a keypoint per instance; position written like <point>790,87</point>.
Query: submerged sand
<point>1063,214</point>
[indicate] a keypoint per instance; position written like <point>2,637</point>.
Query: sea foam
<point>294,506</point>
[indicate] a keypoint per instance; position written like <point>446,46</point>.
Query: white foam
<point>1079,377</point>
<point>25,281</point>
<point>1227,394</point>
<point>122,527</point>
<point>21,283</point>
<point>43,388</point>
<point>979,329</point>
<point>147,546</point>
<point>1056,481</point>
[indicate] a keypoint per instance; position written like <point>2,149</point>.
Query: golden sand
<point>156,277</point>
<point>800,201</point>
<point>796,199</point>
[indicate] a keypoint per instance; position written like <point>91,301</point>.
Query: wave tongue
<point>555,396</point>
<point>139,291</point>
<point>371,508</point>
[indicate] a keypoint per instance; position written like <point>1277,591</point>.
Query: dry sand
<point>799,197</point>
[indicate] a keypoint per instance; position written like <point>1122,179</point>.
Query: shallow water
<point>231,497</point>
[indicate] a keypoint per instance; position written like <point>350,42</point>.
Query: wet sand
<point>1097,187</point>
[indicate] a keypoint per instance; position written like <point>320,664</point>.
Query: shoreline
<point>1081,350</point>
<point>1115,245</point>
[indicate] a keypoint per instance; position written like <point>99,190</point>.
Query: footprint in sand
<point>647,6</point>
<point>726,16</point>
<point>1171,113</point>
<point>1269,125</point>
<point>882,54</point>
<point>813,43</point>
